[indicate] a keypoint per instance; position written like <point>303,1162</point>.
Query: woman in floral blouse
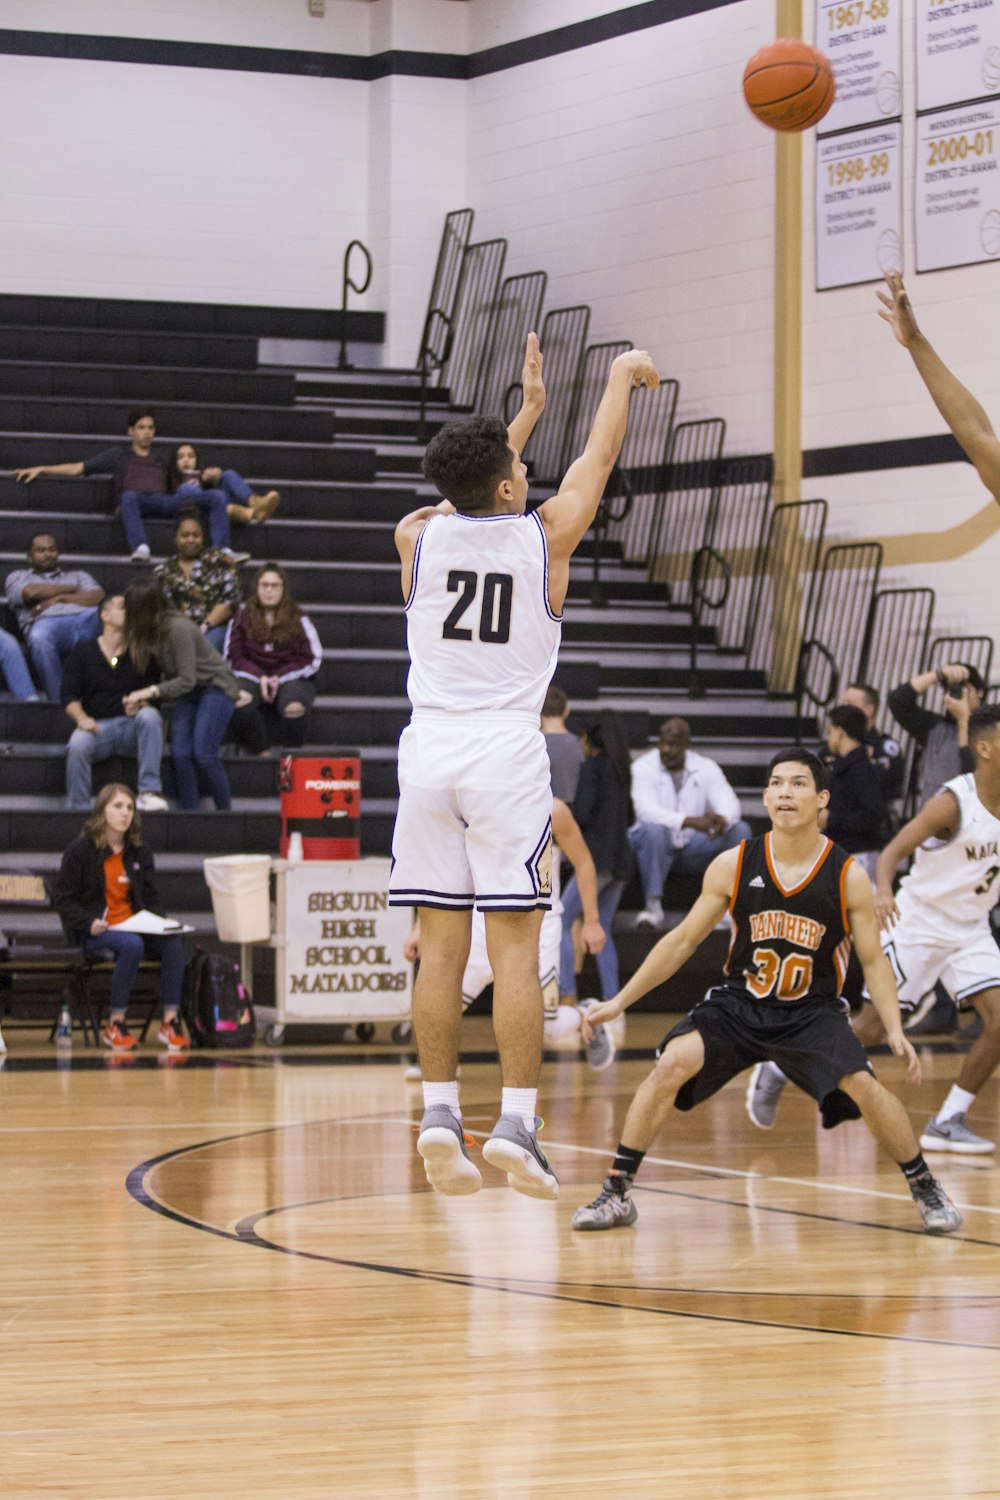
<point>200,581</point>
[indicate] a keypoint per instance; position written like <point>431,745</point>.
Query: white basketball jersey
<point>951,888</point>
<point>480,630</point>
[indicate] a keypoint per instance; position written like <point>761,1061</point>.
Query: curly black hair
<point>466,461</point>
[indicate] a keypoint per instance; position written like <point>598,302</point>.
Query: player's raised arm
<point>937,819</point>
<point>570,512</point>
<point>532,396</point>
<point>406,534</point>
<point>674,950</point>
<point>878,975</point>
<point>959,407</point>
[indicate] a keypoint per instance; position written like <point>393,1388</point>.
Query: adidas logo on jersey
<point>757,881</point>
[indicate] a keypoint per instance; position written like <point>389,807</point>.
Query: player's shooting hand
<point>532,385</point>
<point>639,367</point>
<point>599,1015</point>
<point>886,910</point>
<point>593,936</point>
<point>898,312</point>
<point>903,1047</point>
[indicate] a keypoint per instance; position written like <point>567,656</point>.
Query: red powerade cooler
<point>321,800</point>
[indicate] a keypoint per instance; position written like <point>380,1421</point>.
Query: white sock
<point>957,1103</point>
<point>520,1102</point>
<point>443,1093</point>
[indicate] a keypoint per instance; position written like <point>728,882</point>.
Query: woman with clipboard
<point>107,879</point>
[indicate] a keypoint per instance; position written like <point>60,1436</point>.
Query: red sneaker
<point>117,1036</point>
<point>172,1037</point>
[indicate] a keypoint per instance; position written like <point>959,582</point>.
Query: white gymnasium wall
<point>633,173</point>
<point>861,387</point>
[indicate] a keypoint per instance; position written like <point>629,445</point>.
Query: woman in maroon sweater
<point>275,653</point>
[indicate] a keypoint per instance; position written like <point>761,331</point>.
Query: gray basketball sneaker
<point>441,1143</point>
<point>600,1052</point>
<point>611,1209</point>
<point>515,1150</point>
<point>939,1214</point>
<point>767,1082</point>
<point>954,1135</point>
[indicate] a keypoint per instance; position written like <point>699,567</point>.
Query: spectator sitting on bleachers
<point>106,876</point>
<point>200,581</point>
<point>686,813</point>
<point>855,816</point>
<point>564,749</point>
<point>139,485</point>
<point>185,476</point>
<point>196,680</point>
<point>943,738</point>
<point>15,669</point>
<point>56,607</point>
<point>275,652</point>
<point>98,675</point>
<point>885,752</point>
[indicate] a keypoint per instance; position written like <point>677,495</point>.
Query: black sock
<point>627,1162</point>
<point>917,1169</point>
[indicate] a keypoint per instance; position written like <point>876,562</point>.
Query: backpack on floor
<point>217,1008</point>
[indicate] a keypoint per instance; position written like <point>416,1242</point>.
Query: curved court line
<point>246,1233</point>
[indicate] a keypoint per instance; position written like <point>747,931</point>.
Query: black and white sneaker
<point>611,1209</point>
<point>765,1088</point>
<point>939,1214</point>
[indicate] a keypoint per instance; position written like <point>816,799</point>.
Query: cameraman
<point>943,738</point>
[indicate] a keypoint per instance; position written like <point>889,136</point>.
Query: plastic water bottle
<point>64,1029</point>
<point>295,849</point>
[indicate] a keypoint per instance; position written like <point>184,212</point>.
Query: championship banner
<point>958,51</point>
<point>859,211</point>
<point>958,187</point>
<point>864,42</point>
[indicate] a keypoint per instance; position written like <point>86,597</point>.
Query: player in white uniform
<point>559,1019</point>
<point>937,928</point>
<point>484,585</point>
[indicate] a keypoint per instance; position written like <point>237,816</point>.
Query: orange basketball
<point>789,85</point>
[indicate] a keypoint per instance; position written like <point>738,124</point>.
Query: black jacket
<point>78,894</point>
<point>601,809</point>
<point>857,802</point>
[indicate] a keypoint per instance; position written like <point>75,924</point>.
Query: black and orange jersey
<point>788,944</point>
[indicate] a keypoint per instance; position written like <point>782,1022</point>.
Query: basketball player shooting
<point>966,418</point>
<point>484,585</point>
<point>796,901</point>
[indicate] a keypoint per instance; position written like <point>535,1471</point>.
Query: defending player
<point>796,901</point>
<point>937,928</point>
<point>560,1020</point>
<point>484,585</point>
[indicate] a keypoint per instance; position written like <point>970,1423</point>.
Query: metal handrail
<point>353,285</point>
<point>700,599</point>
<point>621,483</point>
<point>430,360</point>
<point>803,688</point>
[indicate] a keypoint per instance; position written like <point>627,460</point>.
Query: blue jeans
<point>200,721</point>
<point>52,637</point>
<point>236,489</point>
<point>217,635</point>
<point>15,668</point>
<point>609,893</point>
<point>135,507</point>
<point>141,736</point>
<point>656,853</point>
<point>129,949</point>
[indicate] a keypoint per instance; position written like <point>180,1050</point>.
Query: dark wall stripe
<point>166,54</point>
<point>866,458</point>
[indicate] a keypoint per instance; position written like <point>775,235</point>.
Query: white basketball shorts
<point>474,824</point>
<point>965,970</point>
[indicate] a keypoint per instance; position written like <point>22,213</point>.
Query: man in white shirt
<point>686,813</point>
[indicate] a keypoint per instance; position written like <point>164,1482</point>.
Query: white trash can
<point>241,896</point>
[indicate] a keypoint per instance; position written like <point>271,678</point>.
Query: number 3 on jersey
<point>789,980</point>
<point>494,613</point>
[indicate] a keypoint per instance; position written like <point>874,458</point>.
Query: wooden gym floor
<point>229,1277</point>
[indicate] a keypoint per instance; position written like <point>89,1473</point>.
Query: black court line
<point>247,1233</point>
